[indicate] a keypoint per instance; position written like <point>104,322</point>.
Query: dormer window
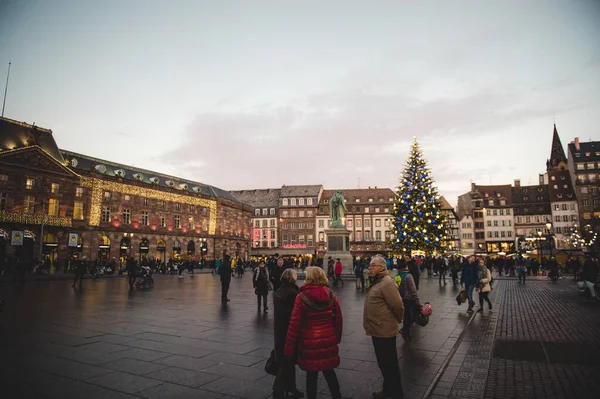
<point>357,200</point>
<point>559,195</point>
<point>562,177</point>
<point>577,155</point>
<point>587,154</point>
<point>491,202</point>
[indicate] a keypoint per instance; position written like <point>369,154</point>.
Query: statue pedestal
<point>338,246</point>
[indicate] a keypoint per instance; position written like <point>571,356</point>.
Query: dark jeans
<point>387,360</point>
<point>337,279</point>
<point>522,275</point>
<point>332,383</point>
<point>410,315</point>
<point>132,277</point>
<point>484,296</point>
<point>262,298</point>
<point>469,290</point>
<point>443,275</point>
<point>224,289</point>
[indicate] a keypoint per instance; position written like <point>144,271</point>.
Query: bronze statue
<point>337,209</point>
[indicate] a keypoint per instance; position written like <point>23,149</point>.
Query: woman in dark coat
<point>283,299</point>
<point>315,331</point>
<point>260,281</point>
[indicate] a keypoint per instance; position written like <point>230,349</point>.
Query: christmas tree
<point>418,223</point>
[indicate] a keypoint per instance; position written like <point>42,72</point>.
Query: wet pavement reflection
<point>178,340</point>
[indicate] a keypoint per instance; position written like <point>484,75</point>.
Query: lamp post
<point>550,235</point>
<point>203,249</point>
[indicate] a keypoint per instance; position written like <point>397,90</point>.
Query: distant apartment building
<point>584,169</point>
<point>562,194</point>
<point>297,213</point>
<point>265,217</point>
<point>367,217</point>
<point>466,231</point>
<point>532,209</point>
<point>452,242</point>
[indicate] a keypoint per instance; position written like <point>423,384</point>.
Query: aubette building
<point>68,205</point>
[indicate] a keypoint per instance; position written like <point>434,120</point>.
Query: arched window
<point>105,241</point>
<point>191,248</point>
<point>293,201</point>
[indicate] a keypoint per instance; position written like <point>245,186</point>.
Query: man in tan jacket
<point>383,312</point>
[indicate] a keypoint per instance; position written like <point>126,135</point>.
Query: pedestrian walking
<point>131,266</point>
<point>521,269</point>
<point>338,273</point>
<point>330,268</point>
<point>469,278</point>
<point>413,268</point>
<point>315,332</point>
<point>260,282</point>
<point>283,300</point>
<point>410,299</point>
<point>358,272</point>
<point>443,268</point>
<point>225,273</point>
<point>485,278</point>
<point>275,274</point>
<point>81,266</point>
<point>383,312</point>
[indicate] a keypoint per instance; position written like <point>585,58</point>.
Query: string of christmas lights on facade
<point>99,186</point>
<point>578,240</point>
<point>418,223</point>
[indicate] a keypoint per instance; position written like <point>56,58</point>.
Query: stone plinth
<point>338,246</point>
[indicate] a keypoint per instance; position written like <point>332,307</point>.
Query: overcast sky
<point>256,94</point>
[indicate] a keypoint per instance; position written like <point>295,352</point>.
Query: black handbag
<point>270,366</point>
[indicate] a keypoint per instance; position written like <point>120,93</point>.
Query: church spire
<point>557,153</point>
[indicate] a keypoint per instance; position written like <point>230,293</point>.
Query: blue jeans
<point>469,290</point>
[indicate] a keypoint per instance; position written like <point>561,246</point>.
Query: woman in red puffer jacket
<point>315,331</point>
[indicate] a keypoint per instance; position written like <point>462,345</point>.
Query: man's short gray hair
<point>379,260</point>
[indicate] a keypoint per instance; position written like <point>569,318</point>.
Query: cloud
<point>363,131</point>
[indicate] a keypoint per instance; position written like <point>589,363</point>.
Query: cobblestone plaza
<point>178,341</point>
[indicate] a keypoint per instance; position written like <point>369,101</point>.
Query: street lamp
<point>550,235</point>
<point>540,246</point>
<point>203,249</point>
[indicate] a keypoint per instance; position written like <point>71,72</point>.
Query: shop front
<point>104,250</point>
<point>50,249</point>
<point>144,248</point>
<point>176,250</point>
<point>191,249</point>
<point>161,250</point>
<point>494,247</point>
<point>124,249</point>
<point>75,245</point>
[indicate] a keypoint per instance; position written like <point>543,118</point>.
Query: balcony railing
<point>35,218</point>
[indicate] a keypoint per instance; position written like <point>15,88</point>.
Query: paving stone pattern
<point>542,313</point>
<point>178,341</point>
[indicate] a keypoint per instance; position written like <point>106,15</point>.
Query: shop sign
<point>73,239</point>
<point>294,246</point>
<point>16,238</point>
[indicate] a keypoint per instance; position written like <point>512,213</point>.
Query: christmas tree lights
<point>418,223</point>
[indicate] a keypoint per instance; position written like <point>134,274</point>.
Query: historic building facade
<point>70,205</point>
<point>452,242</point>
<point>584,168</point>
<point>532,210</point>
<point>367,217</point>
<point>298,207</point>
<point>562,194</point>
<point>466,231</point>
<point>265,218</point>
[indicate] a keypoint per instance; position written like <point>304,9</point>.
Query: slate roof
<point>536,199</point>
<point>362,194</point>
<point>300,191</point>
<point>491,192</point>
<point>557,153</point>
<point>80,162</point>
<point>15,134</point>
<point>590,147</point>
<point>259,198</point>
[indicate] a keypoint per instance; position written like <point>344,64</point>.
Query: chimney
<point>541,179</point>
<point>577,147</point>
<point>375,186</point>
<point>517,183</point>
<point>472,186</point>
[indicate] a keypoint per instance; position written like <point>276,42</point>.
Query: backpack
<point>401,286</point>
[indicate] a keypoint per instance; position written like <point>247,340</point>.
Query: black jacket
<point>276,276</point>
<point>283,299</point>
<point>225,269</point>
<point>590,271</point>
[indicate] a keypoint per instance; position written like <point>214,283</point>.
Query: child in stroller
<point>146,280</point>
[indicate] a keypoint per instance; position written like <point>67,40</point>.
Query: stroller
<point>146,280</point>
